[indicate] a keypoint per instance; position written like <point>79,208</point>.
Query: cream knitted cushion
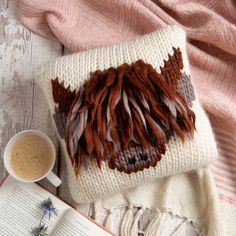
<point>127,114</point>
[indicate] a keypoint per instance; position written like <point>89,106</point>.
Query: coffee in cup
<point>30,156</point>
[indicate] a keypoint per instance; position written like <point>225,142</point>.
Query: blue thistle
<point>48,208</point>
<point>40,230</point>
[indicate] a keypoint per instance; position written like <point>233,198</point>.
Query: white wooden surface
<point>20,53</point>
<point>22,105</point>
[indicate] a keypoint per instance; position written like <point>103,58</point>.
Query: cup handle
<point>53,179</point>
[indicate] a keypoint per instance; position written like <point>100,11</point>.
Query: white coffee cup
<point>7,157</point>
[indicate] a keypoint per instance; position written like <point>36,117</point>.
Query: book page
<point>19,208</point>
<point>74,223</point>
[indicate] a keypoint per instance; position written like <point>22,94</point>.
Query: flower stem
<point>41,220</point>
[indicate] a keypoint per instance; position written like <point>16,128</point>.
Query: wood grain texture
<point>22,106</point>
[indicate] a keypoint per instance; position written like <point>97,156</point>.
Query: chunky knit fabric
<point>176,145</point>
<point>126,115</point>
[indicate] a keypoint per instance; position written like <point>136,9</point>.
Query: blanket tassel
<point>135,228</point>
<point>109,220</point>
<point>156,225</point>
<point>127,222</point>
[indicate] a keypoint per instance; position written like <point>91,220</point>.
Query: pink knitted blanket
<point>211,30</point>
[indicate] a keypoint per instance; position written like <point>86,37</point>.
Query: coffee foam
<point>31,157</point>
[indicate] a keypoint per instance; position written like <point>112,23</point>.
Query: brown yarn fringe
<point>62,96</point>
<point>121,109</point>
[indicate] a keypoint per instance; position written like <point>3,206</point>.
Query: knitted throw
<point>127,114</point>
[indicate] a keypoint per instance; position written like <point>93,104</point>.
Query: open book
<point>20,212</point>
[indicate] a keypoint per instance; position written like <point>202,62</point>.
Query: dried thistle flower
<point>48,208</point>
<point>40,230</point>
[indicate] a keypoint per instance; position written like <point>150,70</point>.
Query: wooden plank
<point>22,106</point>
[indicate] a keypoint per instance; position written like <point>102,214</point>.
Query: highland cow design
<point>126,115</point>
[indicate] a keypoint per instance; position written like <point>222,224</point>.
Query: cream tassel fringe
<point>134,228</point>
<point>127,222</point>
<point>180,228</point>
<point>109,220</point>
<point>152,224</point>
<point>95,216</point>
<point>156,225</point>
<point>129,225</point>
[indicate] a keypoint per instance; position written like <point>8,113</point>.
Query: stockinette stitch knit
<point>158,145</point>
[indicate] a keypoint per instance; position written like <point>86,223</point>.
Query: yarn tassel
<point>182,227</point>
<point>95,215</point>
<point>109,220</point>
<point>134,228</point>
<point>152,223</point>
<point>127,222</point>
<point>156,225</point>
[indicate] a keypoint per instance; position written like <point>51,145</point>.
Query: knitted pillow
<point>127,114</point>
